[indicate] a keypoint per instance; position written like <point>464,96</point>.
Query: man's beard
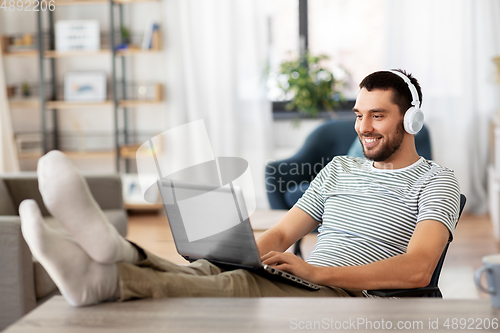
<point>390,147</point>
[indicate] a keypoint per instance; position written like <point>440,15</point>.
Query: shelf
<point>81,105</point>
<point>71,154</point>
<point>76,105</point>
<point>95,2</point>
<point>21,54</point>
<point>67,54</point>
<point>24,103</point>
<point>131,206</point>
<point>133,1</point>
<point>80,2</point>
<point>135,51</point>
<point>29,156</point>
<point>135,103</point>
<point>129,151</point>
<point>89,154</point>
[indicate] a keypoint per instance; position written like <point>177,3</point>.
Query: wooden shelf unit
<point>67,54</point>
<point>61,105</point>
<point>49,107</point>
<point>80,2</point>
<point>135,51</point>
<point>144,207</point>
<point>24,103</point>
<point>21,54</point>
<point>136,103</point>
<point>96,2</point>
<point>72,154</point>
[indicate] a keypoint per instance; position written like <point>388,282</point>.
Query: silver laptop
<point>211,222</point>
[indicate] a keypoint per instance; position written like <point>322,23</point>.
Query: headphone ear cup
<point>413,120</point>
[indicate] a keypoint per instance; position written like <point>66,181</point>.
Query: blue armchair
<point>286,180</point>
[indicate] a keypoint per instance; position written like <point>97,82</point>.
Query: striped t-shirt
<point>369,214</point>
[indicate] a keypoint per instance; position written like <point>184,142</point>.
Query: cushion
<point>118,218</point>
<point>6,204</point>
<point>44,285</point>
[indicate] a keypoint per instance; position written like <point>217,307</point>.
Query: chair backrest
<point>437,271</point>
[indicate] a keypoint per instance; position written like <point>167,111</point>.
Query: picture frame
<point>132,194</point>
<point>77,35</point>
<point>85,87</point>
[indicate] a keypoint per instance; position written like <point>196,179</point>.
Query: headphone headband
<point>413,90</point>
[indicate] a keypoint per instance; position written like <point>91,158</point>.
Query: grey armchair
<point>24,283</point>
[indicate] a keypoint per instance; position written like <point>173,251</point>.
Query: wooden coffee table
<point>260,315</point>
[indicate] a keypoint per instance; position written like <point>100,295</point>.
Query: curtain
<point>8,153</point>
<point>449,46</point>
<point>216,56</point>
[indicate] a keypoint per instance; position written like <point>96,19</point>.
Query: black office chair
<point>432,290</point>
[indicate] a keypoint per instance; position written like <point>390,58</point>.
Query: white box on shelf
<point>85,86</point>
<point>77,35</point>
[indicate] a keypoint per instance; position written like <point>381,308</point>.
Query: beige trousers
<point>155,277</point>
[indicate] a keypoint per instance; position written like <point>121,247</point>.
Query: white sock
<point>81,280</point>
<point>67,197</point>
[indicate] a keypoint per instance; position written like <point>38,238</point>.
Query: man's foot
<point>81,280</point>
<point>67,197</point>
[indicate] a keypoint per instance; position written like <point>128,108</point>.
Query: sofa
<point>24,283</point>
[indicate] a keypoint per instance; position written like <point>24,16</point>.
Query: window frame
<point>278,107</point>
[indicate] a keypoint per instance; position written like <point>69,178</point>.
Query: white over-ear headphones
<point>414,117</point>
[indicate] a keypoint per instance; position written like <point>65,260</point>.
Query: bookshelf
<point>50,103</point>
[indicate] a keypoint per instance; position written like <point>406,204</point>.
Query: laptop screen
<point>209,222</point>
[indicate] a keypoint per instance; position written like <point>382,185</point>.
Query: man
<point>384,222</point>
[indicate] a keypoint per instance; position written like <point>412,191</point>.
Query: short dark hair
<point>386,80</point>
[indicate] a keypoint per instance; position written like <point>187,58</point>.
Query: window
<point>351,33</point>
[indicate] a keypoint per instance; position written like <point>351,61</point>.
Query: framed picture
<point>132,193</point>
<point>85,87</point>
<point>77,35</point>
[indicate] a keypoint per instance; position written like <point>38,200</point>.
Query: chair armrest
<point>416,292</point>
<point>17,286</point>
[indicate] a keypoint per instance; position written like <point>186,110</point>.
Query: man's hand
<point>290,263</point>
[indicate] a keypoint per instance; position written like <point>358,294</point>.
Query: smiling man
<point>380,111</point>
<point>384,221</point>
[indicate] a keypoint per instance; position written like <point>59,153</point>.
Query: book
<point>147,41</point>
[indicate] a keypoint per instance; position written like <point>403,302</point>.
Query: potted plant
<point>125,35</point>
<point>312,87</point>
<point>25,89</point>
